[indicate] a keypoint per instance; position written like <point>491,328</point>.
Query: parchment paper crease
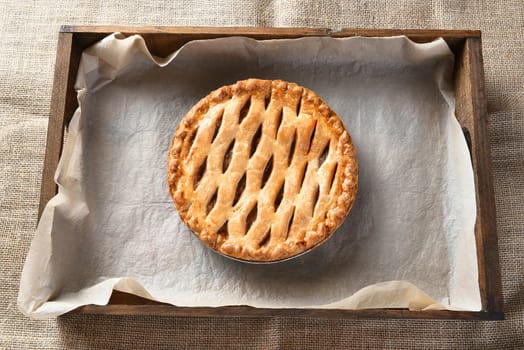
<point>408,242</point>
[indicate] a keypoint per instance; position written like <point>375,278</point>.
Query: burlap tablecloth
<point>28,33</point>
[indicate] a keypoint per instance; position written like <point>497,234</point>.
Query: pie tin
<point>256,262</point>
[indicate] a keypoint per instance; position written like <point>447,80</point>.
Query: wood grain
<point>162,41</point>
<point>63,103</point>
<point>127,304</point>
<point>194,30</point>
<point>486,227</point>
<point>270,33</point>
<point>471,112</point>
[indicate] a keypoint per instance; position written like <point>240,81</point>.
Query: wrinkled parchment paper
<point>408,242</point>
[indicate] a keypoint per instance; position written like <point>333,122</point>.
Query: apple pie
<point>262,170</point>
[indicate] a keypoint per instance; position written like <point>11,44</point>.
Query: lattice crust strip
<point>262,170</point>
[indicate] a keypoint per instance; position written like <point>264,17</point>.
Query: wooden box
<point>471,112</point>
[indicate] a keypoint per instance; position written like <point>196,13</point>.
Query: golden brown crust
<point>262,170</point>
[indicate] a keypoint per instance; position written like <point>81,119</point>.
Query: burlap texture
<point>28,33</point>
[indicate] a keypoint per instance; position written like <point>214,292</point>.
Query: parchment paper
<point>408,242</point>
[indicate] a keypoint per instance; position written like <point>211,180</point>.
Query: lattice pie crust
<point>262,170</point>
